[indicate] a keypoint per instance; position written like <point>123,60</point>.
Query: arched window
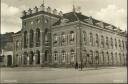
<point>37,37</point>
<point>91,39</point>
<point>84,37</point>
<point>102,41</point>
<point>31,38</point>
<point>72,36</point>
<point>97,40</point>
<point>25,39</point>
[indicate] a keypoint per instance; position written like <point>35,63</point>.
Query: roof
<point>72,16</point>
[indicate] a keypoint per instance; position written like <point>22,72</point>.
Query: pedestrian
<point>76,65</point>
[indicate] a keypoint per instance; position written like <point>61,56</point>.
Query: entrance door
<point>46,56</point>
<point>9,60</point>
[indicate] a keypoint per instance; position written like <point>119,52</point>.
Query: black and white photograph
<point>63,41</point>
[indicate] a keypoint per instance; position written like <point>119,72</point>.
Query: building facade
<point>49,37</point>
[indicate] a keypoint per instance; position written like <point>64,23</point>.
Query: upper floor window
<point>123,44</point>
<point>102,41</point>
<point>46,34</point>
<point>63,38</point>
<point>111,42</point>
<point>119,44</point>
<point>72,35</point>
<point>31,40</point>
<point>84,37</point>
<point>115,43</point>
<point>107,44</point>
<point>24,24</point>
<point>91,39</point>
<point>17,44</point>
<point>37,37</point>
<point>97,40</point>
<point>25,39</point>
<point>55,39</point>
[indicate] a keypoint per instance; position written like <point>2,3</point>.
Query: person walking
<point>76,65</point>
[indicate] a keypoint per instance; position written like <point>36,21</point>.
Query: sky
<point>110,11</point>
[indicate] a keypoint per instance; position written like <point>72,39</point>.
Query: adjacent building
<point>6,51</point>
<point>49,37</point>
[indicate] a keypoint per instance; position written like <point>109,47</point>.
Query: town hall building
<point>49,37</point>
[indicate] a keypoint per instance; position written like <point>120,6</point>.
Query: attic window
<point>64,21</point>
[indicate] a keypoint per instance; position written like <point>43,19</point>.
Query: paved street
<point>64,75</point>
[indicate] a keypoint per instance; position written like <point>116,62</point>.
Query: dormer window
<point>100,24</point>
<point>109,27</point>
<point>64,21</point>
<point>89,20</point>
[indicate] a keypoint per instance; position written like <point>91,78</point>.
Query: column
<point>41,58</point>
<point>28,59</point>
<point>34,59</point>
<point>22,60</point>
